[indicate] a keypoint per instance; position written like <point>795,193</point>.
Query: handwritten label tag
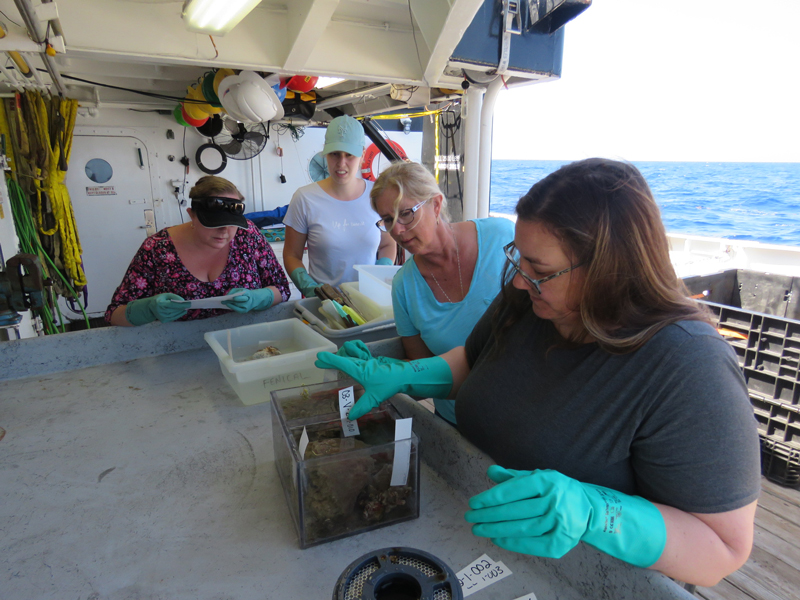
<point>303,444</point>
<point>347,398</point>
<point>402,451</point>
<point>530,596</point>
<point>481,573</point>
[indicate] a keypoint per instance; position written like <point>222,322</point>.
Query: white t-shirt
<point>341,233</point>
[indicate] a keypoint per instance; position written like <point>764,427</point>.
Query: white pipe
<point>21,79</point>
<point>34,28</point>
<point>472,142</point>
<point>12,80</point>
<point>35,72</point>
<point>485,159</point>
<point>382,89</point>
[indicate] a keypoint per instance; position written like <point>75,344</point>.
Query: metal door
<point>109,184</point>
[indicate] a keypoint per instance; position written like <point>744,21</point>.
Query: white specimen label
<point>303,444</point>
<point>402,451</point>
<point>481,573</point>
<point>347,398</point>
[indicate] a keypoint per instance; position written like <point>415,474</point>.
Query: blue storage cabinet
<point>532,52</point>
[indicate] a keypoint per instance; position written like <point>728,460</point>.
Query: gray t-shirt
<point>671,422</point>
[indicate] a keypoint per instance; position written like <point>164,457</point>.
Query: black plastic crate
<point>768,350</point>
<point>759,312</point>
<point>754,291</point>
<point>780,463</point>
<point>777,421</point>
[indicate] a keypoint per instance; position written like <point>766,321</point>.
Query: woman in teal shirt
<point>455,271</point>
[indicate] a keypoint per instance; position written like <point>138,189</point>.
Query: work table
<point>136,475</point>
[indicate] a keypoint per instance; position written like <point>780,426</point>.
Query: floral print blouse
<point>157,269</point>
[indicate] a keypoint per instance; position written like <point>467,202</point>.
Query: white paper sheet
<point>214,302</point>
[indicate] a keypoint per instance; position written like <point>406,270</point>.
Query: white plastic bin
<point>386,311</point>
<point>375,282</point>
<point>253,380</point>
<point>379,325</point>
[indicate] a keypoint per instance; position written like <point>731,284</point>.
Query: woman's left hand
<point>249,300</point>
<point>546,513</point>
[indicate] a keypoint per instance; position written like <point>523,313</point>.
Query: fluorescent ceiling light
<point>215,17</point>
<point>324,82</point>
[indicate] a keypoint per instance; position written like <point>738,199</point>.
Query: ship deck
<point>773,570</point>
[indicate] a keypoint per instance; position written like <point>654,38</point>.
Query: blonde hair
<point>211,185</point>
<point>411,180</point>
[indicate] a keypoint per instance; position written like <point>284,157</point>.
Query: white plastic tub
<point>379,325</point>
<point>375,282</point>
<point>253,380</point>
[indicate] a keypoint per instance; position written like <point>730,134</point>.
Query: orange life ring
<point>369,155</point>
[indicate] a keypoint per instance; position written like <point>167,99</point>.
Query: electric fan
<point>241,141</point>
<point>318,167</point>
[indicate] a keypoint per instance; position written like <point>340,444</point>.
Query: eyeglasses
<point>512,254</point>
<point>404,217</point>
<point>213,203</point>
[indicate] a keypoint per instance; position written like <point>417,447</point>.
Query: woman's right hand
<point>162,307</point>
<point>428,378</point>
<point>358,349</point>
<point>304,282</point>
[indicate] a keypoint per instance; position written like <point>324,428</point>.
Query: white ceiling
<point>143,45</point>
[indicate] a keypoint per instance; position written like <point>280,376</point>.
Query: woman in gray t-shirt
<point>620,417</point>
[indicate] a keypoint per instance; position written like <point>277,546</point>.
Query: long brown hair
<point>604,214</point>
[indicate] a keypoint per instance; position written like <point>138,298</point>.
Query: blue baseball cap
<point>344,134</point>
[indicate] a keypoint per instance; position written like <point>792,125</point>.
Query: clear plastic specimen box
<point>341,485</point>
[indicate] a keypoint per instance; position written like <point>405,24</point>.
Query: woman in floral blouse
<point>217,253</point>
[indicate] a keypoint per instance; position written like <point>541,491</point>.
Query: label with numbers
<point>347,398</point>
<point>481,573</point>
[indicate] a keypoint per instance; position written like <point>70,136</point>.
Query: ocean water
<point>743,201</point>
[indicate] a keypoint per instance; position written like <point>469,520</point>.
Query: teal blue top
<point>446,325</point>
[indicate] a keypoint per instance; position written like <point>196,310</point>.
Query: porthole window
<point>98,170</point>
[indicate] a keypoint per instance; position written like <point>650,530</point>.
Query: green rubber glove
<point>358,349</point>
<point>384,260</point>
<point>248,300</point>
<point>546,513</point>
<point>162,307</point>
<point>304,282</point>
<point>427,377</point>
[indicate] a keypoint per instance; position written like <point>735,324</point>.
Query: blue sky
<point>712,80</point>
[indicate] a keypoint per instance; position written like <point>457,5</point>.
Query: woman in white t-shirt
<point>333,217</point>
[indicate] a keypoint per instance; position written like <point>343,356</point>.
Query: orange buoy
<point>371,152</point>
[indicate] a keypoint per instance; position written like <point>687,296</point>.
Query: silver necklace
<point>458,260</point>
